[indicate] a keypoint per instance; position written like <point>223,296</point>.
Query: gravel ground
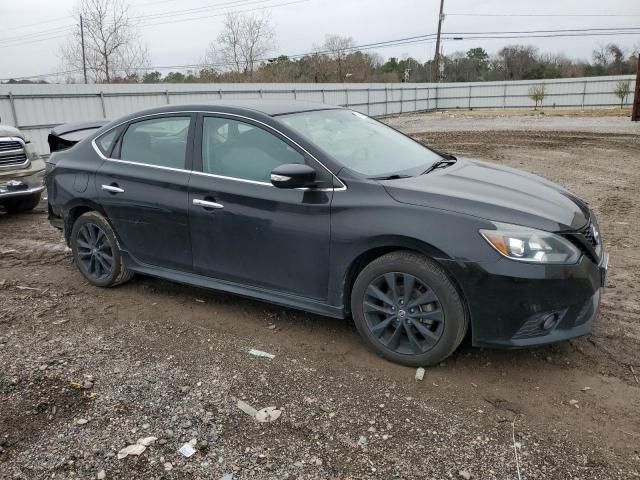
<point>596,121</point>
<point>87,372</point>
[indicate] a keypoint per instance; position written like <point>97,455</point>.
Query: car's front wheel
<point>96,251</point>
<point>408,310</point>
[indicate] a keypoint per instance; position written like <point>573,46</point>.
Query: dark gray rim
<point>403,313</point>
<point>94,250</point>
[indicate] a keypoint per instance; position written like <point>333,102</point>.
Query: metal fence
<point>37,108</point>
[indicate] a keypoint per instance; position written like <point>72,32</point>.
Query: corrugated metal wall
<point>37,108</point>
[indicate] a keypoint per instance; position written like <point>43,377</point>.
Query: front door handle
<point>207,204</point>
<point>112,189</point>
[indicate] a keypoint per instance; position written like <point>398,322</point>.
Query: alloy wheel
<point>95,252</point>
<point>403,313</point>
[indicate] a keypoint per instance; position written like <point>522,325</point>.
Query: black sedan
<point>326,210</point>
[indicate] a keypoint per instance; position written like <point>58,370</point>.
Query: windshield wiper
<point>445,162</point>
<point>395,176</point>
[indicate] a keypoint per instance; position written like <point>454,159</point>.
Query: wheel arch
<point>389,244</point>
<point>78,207</point>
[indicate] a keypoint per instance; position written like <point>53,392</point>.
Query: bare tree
<point>536,93</point>
<point>112,44</point>
<point>339,47</point>
<point>242,45</point>
<point>622,90</point>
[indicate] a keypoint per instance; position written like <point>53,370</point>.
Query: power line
<point>416,39</point>
<point>34,24</point>
<point>293,2</point>
<point>31,38</point>
<point>540,15</point>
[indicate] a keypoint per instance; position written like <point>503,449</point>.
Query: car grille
<point>12,153</point>
<point>591,236</point>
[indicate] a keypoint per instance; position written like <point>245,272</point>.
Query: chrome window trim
<point>104,157</point>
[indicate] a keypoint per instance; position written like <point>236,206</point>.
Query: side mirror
<point>293,175</point>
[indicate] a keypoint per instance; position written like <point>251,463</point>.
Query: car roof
<point>267,107</point>
<point>274,107</point>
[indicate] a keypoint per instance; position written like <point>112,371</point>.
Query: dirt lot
<point>86,372</point>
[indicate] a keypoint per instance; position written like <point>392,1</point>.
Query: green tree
<point>622,90</point>
<point>536,93</point>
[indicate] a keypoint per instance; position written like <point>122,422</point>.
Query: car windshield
<point>361,143</point>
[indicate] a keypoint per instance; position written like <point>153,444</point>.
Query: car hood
<point>493,192</point>
<point>7,131</point>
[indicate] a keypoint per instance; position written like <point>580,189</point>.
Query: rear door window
<point>160,142</point>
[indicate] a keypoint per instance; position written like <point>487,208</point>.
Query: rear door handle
<point>112,189</point>
<point>207,204</point>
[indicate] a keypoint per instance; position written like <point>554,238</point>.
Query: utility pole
<point>84,60</point>
<point>436,58</point>
<point>635,114</point>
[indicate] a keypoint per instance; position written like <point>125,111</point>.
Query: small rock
<point>585,389</point>
<point>362,441</point>
<point>464,474</point>
<point>82,421</point>
<point>184,389</point>
<point>420,374</point>
<point>101,475</point>
<point>574,403</point>
<point>168,467</point>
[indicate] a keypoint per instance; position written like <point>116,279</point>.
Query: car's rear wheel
<point>408,310</point>
<point>96,251</point>
<point>22,203</point>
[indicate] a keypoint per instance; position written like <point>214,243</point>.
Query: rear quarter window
<point>106,141</point>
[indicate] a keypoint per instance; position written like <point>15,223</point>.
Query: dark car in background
<point>326,210</point>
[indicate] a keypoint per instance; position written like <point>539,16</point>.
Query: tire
<point>432,304</point>
<point>22,204</point>
<point>96,251</point>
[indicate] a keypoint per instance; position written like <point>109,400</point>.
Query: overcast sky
<point>300,26</point>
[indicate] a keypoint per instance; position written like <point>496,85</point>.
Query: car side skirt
<point>266,295</point>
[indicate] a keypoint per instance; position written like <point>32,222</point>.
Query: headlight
<point>530,245</point>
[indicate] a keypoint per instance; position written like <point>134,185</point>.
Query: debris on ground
<point>146,441</point>
<point>187,450</point>
<point>134,449</point>
<point>268,414</point>
<point>464,474</point>
<point>246,408</point>
<point>574,403</point>
<point>260,353</point>
<point>420,374</point>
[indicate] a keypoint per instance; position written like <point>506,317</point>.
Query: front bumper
<point>513,304</point>
<point>21,182</point>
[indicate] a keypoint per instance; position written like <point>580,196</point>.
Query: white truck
<point>21,172</point>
